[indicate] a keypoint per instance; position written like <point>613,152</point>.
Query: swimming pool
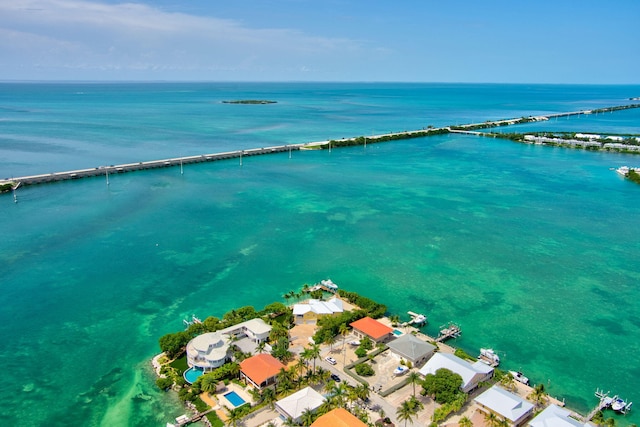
<point>192,374</point>
<point>234,399</point>
<point>397,332</point>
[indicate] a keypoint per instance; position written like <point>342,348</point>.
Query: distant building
<point>587,136</point>
<point>413,349</point>
<point>260,370</point>
<point>368,327</point>
<point>312,310</point>
<point>472,374</point>
<point>555,416</point>
<point>505,405</point>
<point>208,351</point>
<point>293,406</point>
<point>339,417</point>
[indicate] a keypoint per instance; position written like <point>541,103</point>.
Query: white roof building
<point>208,351</point>
<point>256,329</point>
<point>506,405</point>
<point>317,308</point>
<point>293,406</point>
<point>472,374</point>
<point>555,416</point>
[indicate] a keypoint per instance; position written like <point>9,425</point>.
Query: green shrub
<point>364,370</point>
<point>164,383</point>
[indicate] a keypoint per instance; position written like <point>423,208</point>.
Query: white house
<point>310,311</point>
<point>256,329</point>
<point>555,416</point>
<point>472,374</point>
<point>507,406</point>
<point>208,351</point>
<point>293,406</point>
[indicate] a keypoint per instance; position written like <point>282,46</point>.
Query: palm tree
<point>260,347</point>
<point>394,319</point>
<point>314,352</point>
<point>329,340</point>
<point>307,417</point>
<point>344,331</point>
<point>234,417</point>
<point>362,392</point>
<point>405,412</point>
<point>414,378</point>
<point>269,397</point>
<point>491,419</point>
<point>538,394</point>
<point>465,422</point>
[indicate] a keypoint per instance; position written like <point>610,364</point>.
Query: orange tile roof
<point>260,367</point>
<point>371,327</point>
<point>339,417</point>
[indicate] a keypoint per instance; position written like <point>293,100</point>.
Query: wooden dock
<point>450,331</point>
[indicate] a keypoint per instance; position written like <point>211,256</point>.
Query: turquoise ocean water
<point>534,251</point>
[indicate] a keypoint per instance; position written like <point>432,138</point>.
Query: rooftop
<point>339,417</point>
<point>504,403</point>
<point>411,347</point>
<point>555,416</point>
<point>371,327</point>
<point>261,367</point>
<point>300,401</point>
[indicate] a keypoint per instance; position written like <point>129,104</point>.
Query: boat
<point>354,343</point>
<point>518,376</point>
<point>620,405</point>
<point>623,170</point>
<point>488,356</point>
<point>400,370</point>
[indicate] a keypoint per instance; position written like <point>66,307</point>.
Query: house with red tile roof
<point>368,327</point>
<point>260,370</point>
<point>338,417</point>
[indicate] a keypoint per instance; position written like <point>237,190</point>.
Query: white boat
<point>623,170</point>
<point>488,356</point>
<point>400,370</point>
<point>619,405</point>
<point>518,376</point>
<point>354,343</point>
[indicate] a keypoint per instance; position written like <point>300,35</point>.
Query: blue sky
<point>559,41</point>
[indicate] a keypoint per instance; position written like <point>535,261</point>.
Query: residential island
<point>330,357</point>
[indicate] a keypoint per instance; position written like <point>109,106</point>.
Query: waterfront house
<point>412,349</point>
<point>260,370</point>
<point>368,327</point>
<point>555,416</point>
<point>208,351</point>
<point>338,417</point>
<point>312,310</point>
<point>295,405</point>
<point>505,405</point>
<point>255,329</point>
<point>472,373</point>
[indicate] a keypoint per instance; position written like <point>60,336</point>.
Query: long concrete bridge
<point>180,161</point>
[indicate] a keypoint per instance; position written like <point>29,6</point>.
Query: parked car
<point>335,378</point>
<point>331,360</point>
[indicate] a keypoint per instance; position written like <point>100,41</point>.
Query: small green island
<point>250,101</point>
<point>330,355</point>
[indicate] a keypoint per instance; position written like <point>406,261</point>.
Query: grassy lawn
<point>180,364</point>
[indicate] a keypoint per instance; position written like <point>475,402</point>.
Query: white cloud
<point>78,35</point>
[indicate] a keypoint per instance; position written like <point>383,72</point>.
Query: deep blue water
<point>533,250</point>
